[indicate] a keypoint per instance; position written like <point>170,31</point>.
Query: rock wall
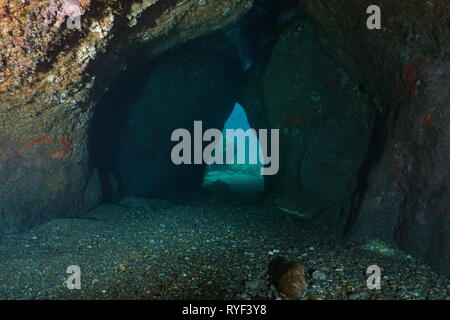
<point>51,76</point>
<point>405,66</point>
<point>325,123</point>
<point>402,186</point>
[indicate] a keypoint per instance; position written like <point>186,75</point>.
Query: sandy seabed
<point>151,249</point>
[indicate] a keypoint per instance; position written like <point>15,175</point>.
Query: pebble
<point>254,285</point>
<point>317,275</point>
<point>355,296</point>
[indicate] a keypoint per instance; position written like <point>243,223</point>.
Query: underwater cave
<point>353,123</point>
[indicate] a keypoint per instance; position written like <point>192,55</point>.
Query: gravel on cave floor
<point>150,250</point>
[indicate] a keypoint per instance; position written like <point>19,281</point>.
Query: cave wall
<point>406,68</point>
<point>325,122</point>
<point>402,186</point>
<point>51,78</point>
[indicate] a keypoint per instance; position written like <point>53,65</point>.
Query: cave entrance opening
<point>131,133</point>
<point>243,182</point>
